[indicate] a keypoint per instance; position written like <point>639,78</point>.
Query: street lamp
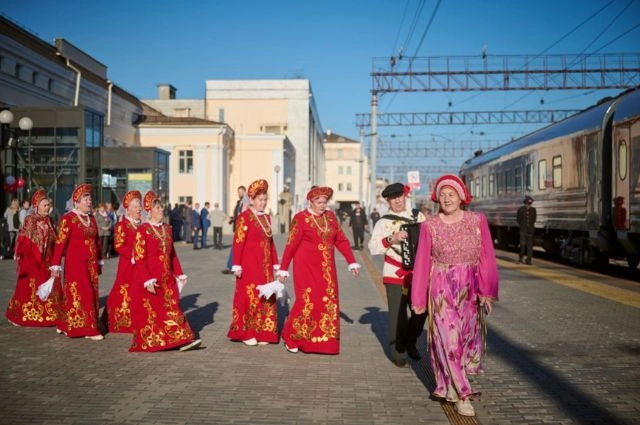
<point>10,140</point>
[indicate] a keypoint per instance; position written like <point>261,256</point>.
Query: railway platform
<point>563,348</point>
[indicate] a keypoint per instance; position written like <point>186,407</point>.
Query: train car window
<point>557,171</point>
<point>518,180</point>
<point>622,159</point>
<point>484,186</point>
<point>508,181</point>
<point>477,191</point>
<point>528,177</point>
<point>492,188</point>
<point>542,174</point>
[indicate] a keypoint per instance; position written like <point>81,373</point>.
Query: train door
<point>620,178</point>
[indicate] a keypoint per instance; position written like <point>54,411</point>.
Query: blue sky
<point>332,43</point>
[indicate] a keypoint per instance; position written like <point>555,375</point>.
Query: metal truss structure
<point>465,118</point>
<point>506,72</point>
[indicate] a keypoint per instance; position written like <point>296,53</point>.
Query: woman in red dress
<point>254,320</point>
<point>313,326</point>
<point>34,249</point>
<point>79,243</point>
<point>118,308</point>
<point>156,317</point>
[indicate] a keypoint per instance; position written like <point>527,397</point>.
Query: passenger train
<point>584,176</point>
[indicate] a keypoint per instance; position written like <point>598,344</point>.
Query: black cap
<point>528,200</point>
<point>393,190</point>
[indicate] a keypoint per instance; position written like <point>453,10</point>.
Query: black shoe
<point>226,271</point>
<point>413,353</point>
<point>400,362</point>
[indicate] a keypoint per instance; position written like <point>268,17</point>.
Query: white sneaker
<point>262,343</point>
<point>95,337</point>
<point>464,408</point>
<point>60,332</point>
<point>251,341</point>
<point>291,350</point>
<point>191,345</point>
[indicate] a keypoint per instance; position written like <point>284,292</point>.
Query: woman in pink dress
<point>79,244</point>
<point>455,275</point>
<point>254,319</point>
<point>118,308</point>
<point>34,250</point>
<point>313,325</point>
<point>158,322</point>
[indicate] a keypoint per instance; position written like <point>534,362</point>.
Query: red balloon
<point>20,183</point>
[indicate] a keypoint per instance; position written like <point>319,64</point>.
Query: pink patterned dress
<point>455,264</point>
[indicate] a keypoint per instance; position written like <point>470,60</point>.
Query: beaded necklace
<point>160,236</point>
<point>267,230</point>
<point>326,224</point>
<point>86,223</point>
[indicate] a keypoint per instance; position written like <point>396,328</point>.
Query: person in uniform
<point>117,312</point>
<point>526,220</point>
<point>33,252</point>
<point>358,225</point>
<point>404,326</point>
<point>254,318</point>
<point>158,321</point>
<point>78,242</point>
<point>313,325</point>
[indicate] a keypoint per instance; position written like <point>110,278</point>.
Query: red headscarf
<point>38,196</point>
<point>456,184</point>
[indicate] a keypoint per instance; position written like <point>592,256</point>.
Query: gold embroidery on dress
<point>241,232</point>
<point>122,314</point>
<point>32,310</point>
<point>304,325</point>
<point>76,317</point>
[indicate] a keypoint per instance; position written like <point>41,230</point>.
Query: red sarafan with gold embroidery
<point>34,250</point>
<point>254,251</point>
<point>158,321</point>
<point>79,244</point>
<point>118,309</point>
<point>313,325</point>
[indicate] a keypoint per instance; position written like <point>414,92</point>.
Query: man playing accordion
<point>387,239</point>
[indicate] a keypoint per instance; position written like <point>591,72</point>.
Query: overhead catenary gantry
<point>489,73</point>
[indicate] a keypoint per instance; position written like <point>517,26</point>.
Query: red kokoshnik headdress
<point>318,191</point>
<point>38,196</point>
<point>80,191</point>
<point>149,197</point>
<point>130,196</point>
<point>257,187</point>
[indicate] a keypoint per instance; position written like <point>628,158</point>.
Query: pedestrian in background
<point>24,211</point>
<point>188,222</point>
<point>117,313</point>
<point>12,215</point>
<point>158,321</point>
<point>176,221</point>
<point>217,221</point>
<point>455,278</point>
<point>196,225</point>
<point>358,225</point>
<point>254,319</point>
<point>314,235</point>
<point>241,205</point>
<point>374,216</point>
<point>34,252</point>
<point>405,326</point>
<point>78,242</point>
<point>104,229</point>
<point>526,220</point>
<point>205,221</point>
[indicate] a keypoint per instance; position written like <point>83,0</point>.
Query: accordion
<point>409,246</point>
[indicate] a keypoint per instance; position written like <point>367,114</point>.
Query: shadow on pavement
<point>198,317</point>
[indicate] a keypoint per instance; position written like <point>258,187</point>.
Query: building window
<point>340,187</point>
<point>340,153</point>
<point>542,174</point>
<point>340,170</point>
<point>221,115</point>
<point>184,200</point>
<point>17,70</point>
<point>348,170</point>
<point>349,187</point>
<point>557,171</point>
<point>185,159</point>
<point>50,84</point>
<point>34,78</point>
